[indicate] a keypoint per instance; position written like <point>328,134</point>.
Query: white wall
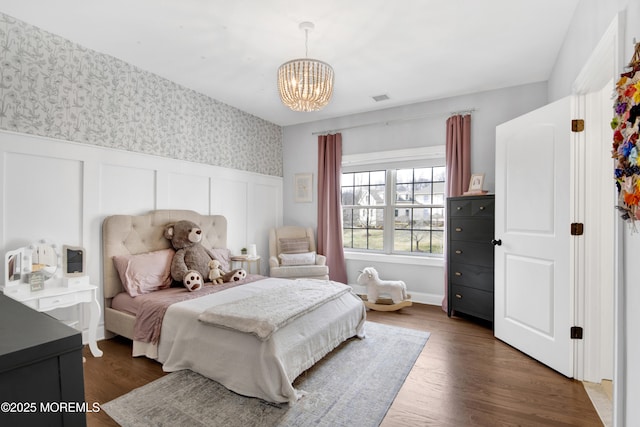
<point>62,191</point>
<point>411,126</point>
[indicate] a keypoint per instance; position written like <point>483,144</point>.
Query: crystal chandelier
<point>305,84</point>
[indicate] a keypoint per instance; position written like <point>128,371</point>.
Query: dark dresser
<point>41,372</point>
<point>470,244</point>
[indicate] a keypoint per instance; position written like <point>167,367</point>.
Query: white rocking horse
<point>395,290</point>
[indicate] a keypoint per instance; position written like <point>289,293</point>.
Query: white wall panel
<point>62,191</point>
<point>43,198</point>
<point>185,191</point>
<point>126,190</point>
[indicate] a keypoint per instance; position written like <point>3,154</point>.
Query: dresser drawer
<point>472,276</point>
<point>483,207</point>
<point>472,301</point>
<point>472,229</point>
<point>460,207</point>
<point>471,253</point>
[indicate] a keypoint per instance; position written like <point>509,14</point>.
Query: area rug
<point>353,385</point>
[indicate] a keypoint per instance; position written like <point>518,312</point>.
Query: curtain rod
<point>388,122</point>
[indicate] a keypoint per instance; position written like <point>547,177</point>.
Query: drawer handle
<point>457,273</point>
<point>458,296</point>
<point>481,208</point>
<point>458,252</point>
<point>459,208</point>
<point>458,229</point>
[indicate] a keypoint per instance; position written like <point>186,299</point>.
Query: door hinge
<point>577,125</point>
<point>576,332</point>
<point>577,228</point>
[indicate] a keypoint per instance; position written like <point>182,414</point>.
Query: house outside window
<point>394,207</point>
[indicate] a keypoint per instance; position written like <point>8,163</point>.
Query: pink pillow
<point>146,272</point>
<point>224,256</point>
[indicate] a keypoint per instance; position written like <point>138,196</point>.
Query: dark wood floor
<point>463,377</point>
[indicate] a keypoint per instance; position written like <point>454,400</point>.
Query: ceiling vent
<point>379,98</point>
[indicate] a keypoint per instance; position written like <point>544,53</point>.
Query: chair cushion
<point>317,271</point>
<point>304,258</point>
<point>294,245</point>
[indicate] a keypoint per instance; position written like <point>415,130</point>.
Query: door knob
<point>495,242</point>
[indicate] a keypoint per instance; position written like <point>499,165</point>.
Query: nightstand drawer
<point>58,301</point>
<point>472,276</point>
<point>460,207</point>
<point>472,301</point>
<point>472,229</point>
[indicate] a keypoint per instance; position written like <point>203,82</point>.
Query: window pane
<point>422,193</point>
<point>347,236</point>
<point>360,238</point>
<point>438,193</point>
<point>361,178</point>
<point>439,174</point>
<point>404,175</point>
<point>404,193</point>
<point>346,180</point>
<point>376,195</point>
<point>437,219</point>
<point>376,240</point>
<point>378,177</point>
<point>347,218</point>
<point>347,196</point>
<point>423,175</point>
<point>437,238</point>
<point>376,218</point>
<point>402,240</point>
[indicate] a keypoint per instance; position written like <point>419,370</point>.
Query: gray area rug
<point>353,385</point>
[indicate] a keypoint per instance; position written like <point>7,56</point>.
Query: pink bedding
<point>149,309</point>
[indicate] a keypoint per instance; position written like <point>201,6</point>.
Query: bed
<point>204,332</point>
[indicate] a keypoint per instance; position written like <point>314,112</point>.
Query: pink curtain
<point>329,206</point>
<point>458,158</point>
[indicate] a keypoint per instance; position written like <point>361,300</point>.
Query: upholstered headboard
<point>134,234</point>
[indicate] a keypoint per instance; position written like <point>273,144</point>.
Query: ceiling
<point>230,50</point>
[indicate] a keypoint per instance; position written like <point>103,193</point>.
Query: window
<point>395,210</point>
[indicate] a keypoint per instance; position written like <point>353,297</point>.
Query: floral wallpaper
<point>50,86</point>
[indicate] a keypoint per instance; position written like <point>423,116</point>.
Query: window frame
<point>389,161</point>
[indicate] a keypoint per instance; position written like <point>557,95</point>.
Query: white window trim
<point>352,162</point>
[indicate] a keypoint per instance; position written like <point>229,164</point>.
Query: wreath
<point>625,124</point>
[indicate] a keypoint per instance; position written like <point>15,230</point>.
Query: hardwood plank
<point>463,377</point>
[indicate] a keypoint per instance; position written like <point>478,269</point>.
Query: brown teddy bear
<point>190,263</point>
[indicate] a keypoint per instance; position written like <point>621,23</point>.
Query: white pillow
<point>306,258</point>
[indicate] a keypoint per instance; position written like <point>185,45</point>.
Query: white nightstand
<point>248,260</point>
<point>52,297</point>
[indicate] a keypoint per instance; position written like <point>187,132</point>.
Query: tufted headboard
<point>135,234</point>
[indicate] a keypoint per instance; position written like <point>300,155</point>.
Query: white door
<point>533,289</point>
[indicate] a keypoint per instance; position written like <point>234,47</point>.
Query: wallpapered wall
<point>52,87</point>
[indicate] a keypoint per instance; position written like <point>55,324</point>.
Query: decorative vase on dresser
<point>470,242</point>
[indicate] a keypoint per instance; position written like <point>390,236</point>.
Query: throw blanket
<point>154,305</point>
<point>265,313</point>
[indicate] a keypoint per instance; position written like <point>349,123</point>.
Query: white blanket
<point>268,311</point>
<point>242,362</point>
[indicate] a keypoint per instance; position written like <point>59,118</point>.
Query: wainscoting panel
<point>188,191</point>
<point>63,190</point>
<point>126,190</point>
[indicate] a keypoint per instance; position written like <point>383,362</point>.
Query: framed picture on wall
<point>302,187</point>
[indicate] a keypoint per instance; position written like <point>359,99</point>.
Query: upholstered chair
<point>292,254</point>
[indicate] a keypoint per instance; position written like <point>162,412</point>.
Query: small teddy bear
<point>215,272</point>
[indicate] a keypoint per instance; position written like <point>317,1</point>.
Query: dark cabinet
<point>470,234</point>
<point>41,372</point>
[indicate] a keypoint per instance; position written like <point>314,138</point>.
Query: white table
<point>248,260</point>
<point>52,297</point>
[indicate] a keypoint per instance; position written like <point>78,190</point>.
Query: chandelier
<point>305,84</point>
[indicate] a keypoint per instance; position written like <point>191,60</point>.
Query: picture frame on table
<point>302,187</point>
<point>476,182</point>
